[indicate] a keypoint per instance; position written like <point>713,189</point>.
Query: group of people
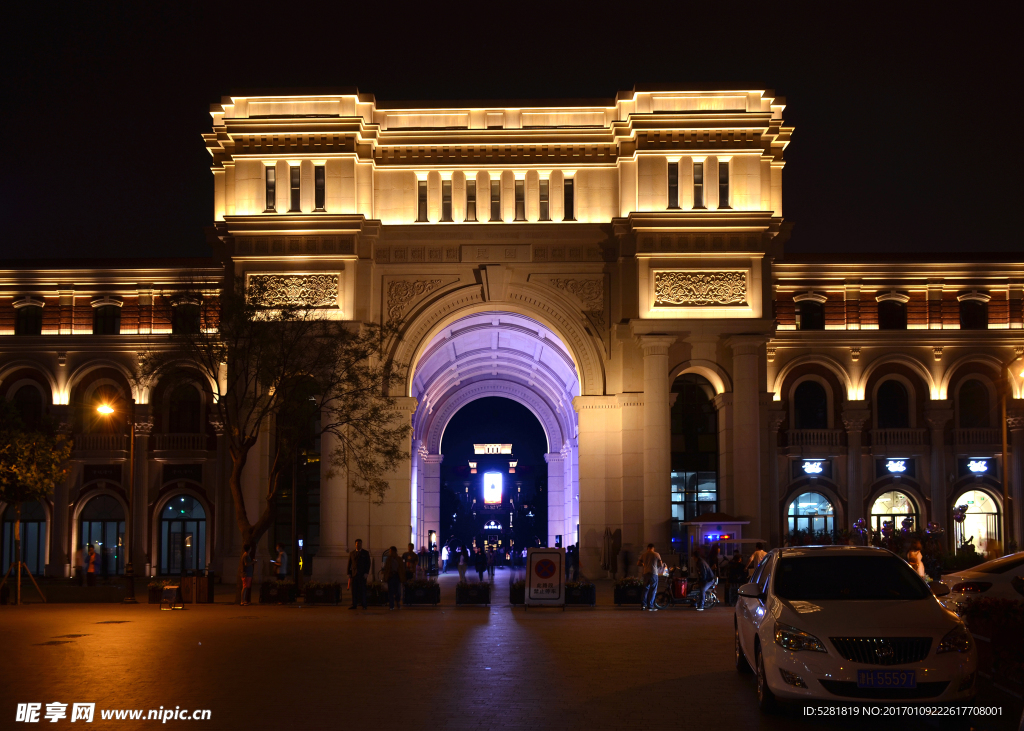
<point>481,561</point>
<point>708,570</point>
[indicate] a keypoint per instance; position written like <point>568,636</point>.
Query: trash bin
<point>204,587</point>
<point>188,587</point>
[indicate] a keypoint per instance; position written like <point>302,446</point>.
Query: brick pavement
<point>285,667</point>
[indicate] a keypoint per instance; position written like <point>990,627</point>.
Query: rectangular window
<point>673,185</point>
<point>495,200</point>
<point>698,185</point>
<point>723,184</point>
<point>470,200</point>
<point>296,180</point>
<point>545,214</point>
<point>421,201</point>
<point>446,201</point>
<point>320,186</point>
<point>271,189</point>
<point>520,200</point>
<point>570,201</point>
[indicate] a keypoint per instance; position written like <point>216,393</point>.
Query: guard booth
<point>720,528</point>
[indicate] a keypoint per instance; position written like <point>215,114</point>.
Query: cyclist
<point>705,577</point>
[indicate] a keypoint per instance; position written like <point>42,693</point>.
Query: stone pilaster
<point>1015,426</point>
<point>138,530</point>
<point>776,418</point>
<point>746,409</point>
<point>938,415</point>
<point>657,440</point>
<point>855,416</point>
<point>556,498</point>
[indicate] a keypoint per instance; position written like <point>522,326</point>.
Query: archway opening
<point>981,525</point>
<point>182,536</point>
<point>811,512</point>
<point>894,507</point>
<point>101,524</point>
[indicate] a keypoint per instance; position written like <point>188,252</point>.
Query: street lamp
<point>107,410</point>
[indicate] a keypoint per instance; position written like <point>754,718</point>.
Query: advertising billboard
<point>492,488</point>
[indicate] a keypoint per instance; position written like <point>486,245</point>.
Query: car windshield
<point>1000,565</point>
<point>837,578</point>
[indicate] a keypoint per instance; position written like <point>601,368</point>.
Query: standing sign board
<point>545,577</point>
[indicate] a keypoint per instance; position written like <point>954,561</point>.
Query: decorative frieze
<point>304,290</point>
<point>402,291</point>
<point>590,293</point>
<point>699,289</point>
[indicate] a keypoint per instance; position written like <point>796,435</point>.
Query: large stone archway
<point>504,354</point>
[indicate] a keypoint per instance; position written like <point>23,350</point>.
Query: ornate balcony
<point>100,442</point>
<point>899,437</point>
<point>814,437</point>
<point>977,437</point>
<point>180,441</point>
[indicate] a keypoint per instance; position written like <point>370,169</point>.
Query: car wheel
<point>742,666</point>
<point>662,599</point>
<point>765,697</point>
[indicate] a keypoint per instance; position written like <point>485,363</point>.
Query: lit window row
<point>698,184</point>
<point>295,189</point>
<point>493,203</point>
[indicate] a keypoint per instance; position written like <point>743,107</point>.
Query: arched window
<point>29,403</point>
<point>973,315</point>
<point>694,473</point>
<point>811,511</point>
<point>33,538</point>
<point>810,406</point>
<point>101,523</point>
<point>973,405</point>
<point>892,315</point>
<point>893,507</point>
<point>981,524</point>
<point>182,536</point>
<point>183,416</point>
<point>810,315</point>
<point>892,405</point>
<point>106,320</point>
<point>28,320</point>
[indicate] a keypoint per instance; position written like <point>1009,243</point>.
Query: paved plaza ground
<point>295,667</point>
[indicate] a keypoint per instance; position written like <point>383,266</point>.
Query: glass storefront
<point>811,511</point>
<point>182,536</point>
<point>893,506</point>
<point>694,452</point>
<point>981,524</point>
<point>101,523</point>
<point>33,538</point>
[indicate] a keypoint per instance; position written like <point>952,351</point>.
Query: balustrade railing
<point>977,436</point>
<point>180,441</point>
<point>899,437</point>
<point>100,442</point>
<point>814,437</point>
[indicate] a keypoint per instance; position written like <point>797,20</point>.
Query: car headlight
<point>957,639</point>
<point>793,639</point>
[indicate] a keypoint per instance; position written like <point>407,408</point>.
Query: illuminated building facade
<point>616,266</point>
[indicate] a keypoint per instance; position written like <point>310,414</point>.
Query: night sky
<point>903,122</point>
<point>494,421</point>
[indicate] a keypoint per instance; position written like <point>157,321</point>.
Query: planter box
<point>155,593</point>
<point>323,595</point>
<point>421,594</point>
<point>473,594</point>
<point>517,595</point>
<point>585,595</point>
<point>273,593</point>
<point>628,594</point>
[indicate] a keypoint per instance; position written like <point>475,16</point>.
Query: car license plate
<point>886,679</point>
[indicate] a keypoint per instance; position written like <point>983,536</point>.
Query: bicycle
<point>682,592</point>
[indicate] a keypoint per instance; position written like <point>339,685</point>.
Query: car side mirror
<point>938,588</point>
<point>751,591</point>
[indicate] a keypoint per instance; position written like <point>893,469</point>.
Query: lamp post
<point>107,410</point>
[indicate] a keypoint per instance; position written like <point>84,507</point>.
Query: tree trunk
<point>17,553</point>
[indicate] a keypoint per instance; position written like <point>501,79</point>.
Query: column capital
<point>433,458</point>
<point>937,418</point>
<point>776,417</point>
<point>855,416</point>
<point>405,404</point>
<point>747,344</point>
<point>550,457</point>
<point>655,344</point>
<point>217,422</point>
<point>144,426</point>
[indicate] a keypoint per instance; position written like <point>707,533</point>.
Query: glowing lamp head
<point>105,409</point>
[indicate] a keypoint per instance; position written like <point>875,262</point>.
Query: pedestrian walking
<point>394,576</point>
<point>248,563</point>
<point>757,557</point>
<point>651,565</point>
<point>737,575</point>
<point>705,577</point>
<point>411,560</point>
<point>480,563</point>
<point>358,568</point>
<point>490,563</point>
<point>461,563</point>
<point>92,566</point>
<point>915,558</point>
<point>281,562</point>
<point>444,559</point>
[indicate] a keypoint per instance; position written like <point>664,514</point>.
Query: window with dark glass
<point>892,404</point>
<point>320,188</point>
<point>723,184</point>
<point>698,185</point>
<point>185,319</point>
<point>694,465</point>
<point>569,196</point>
<point>974,405</point>
<point>892,315</point>
<point>33,538</point>
<point>296,183</point>
<point>446,201</point>
<point>810,406</point>
<point>271,188</point>
<point>470,200</point>
<point>182,536</point>
<point>973,315</point>
<point>421,201</point>
<point>673,185</point>
<point>545,213</point>
<point>520,200</point>
<point>28,401</point>
<point>183,410</point>
<point>101,524</point>
<point>28,320</point>
<point>810,315</point>
<point>106,320</point>
<point>495,200</point>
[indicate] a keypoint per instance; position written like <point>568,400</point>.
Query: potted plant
<point>629,590</point>
<point>277,592</point>
<point>517,592</point>
<point>156,589</point>
<point>322,592</point>
<point>472,593</point>
<point>421,591</point>
<point>580,592</point>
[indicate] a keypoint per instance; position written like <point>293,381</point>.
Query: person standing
<point>247,570</point>
<point>411,561</point>
<point>394,575</point>
<point>757,557</point>
<point>490,563</point>
<point>92,566</point>
<point>358,568</point>
<point>281,562</point>
<point>461,563</point>
<point>737,575</point>
<point>444,559</point>
<point>651,564</point>
<point>915,558</point>
<point>705,577</point>
<point>481,563</point>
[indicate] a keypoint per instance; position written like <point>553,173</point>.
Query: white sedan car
<point>993,578</point>
<point>849,624</point>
